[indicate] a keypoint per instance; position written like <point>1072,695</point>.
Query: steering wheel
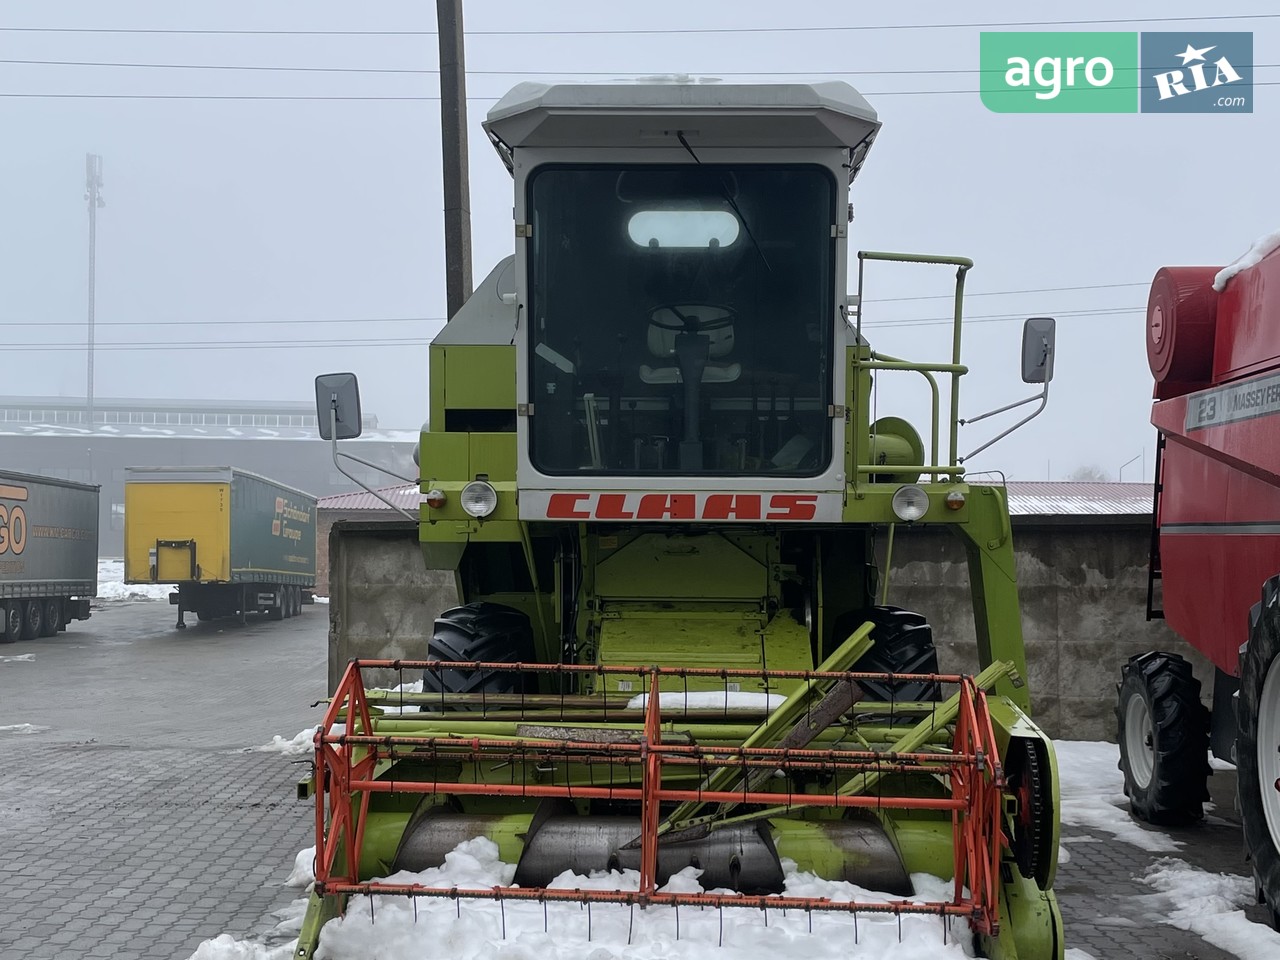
<point>689,323</point>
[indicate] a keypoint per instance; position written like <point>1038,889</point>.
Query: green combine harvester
<point>653,464</point>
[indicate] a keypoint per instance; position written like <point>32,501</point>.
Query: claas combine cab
<point>653,463</point>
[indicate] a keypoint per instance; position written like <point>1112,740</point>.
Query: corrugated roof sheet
<point>404,496</point>
<point>1027,498</point>
<point>1038,498</point>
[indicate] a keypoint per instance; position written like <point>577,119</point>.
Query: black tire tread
<point>1256,659</point>
<point>903,645</point>
<point>1180,732</point>
<point>480,632</point>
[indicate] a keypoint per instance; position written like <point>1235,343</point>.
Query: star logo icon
<point>1191,53</point>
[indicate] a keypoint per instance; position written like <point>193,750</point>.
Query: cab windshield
<point>681,319</point>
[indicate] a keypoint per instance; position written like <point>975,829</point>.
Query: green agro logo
<point>1116,72</point>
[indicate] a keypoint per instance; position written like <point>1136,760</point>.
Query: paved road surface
<point>136,825</point>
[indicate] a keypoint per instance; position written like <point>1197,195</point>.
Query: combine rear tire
<point>486,633</point>
<point>1258,746</point>
<point>1163,730</point>
<point>903,644</point>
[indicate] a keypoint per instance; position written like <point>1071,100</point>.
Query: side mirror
<point>338,393</point>
<point>1037,350</point>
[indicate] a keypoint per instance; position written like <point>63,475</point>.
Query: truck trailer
<point>48,554</point>
<point>233,542</point>
<point>1213,342</point>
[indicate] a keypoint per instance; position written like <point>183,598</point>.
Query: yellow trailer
<point>233,542</point>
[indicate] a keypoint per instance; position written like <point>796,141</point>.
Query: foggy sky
<point>327,210</point>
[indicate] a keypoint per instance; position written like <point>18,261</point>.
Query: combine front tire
<point>484,633</point>
<point>1163,731</point>
<point>903,645</point>
<point>1258,746</point>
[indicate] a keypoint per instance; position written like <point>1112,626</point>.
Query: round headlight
<point>910,503</point>
<point>479,499</point>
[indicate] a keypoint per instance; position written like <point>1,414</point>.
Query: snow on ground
<point>1261,247</point>
<point>111,585</point>
<point>22,728</point>
<point>1093,795</point>
<point>712,700</point>
<point>1075,953</point>
<point>1211,905</point>
<point>300,744</point>
<point>320,599</point>
<point>19,658</point>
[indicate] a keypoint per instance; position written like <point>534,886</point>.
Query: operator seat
<point>668,323</point>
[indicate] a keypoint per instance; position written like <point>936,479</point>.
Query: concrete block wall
<point>1083,588</point>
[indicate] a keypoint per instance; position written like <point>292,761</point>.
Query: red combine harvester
<point>1213,342</point>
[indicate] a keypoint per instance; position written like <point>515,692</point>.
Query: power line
<point>1002,293</point>
<point>226,345</point>
<point>421,99</point>
<point>633,31</point>
<point>402,71</point>
<point>201,323</point>
<point>422,341</point>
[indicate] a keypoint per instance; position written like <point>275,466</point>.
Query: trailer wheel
<point>903,645</point>
<point>480,632</point>
<point>1163,730</point>
<point>32,619</point>
<point>11,629</point>
<point>1258,746</point>
<point>276,610</point>
<point>52,617</point>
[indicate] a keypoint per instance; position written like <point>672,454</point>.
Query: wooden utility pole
<point>453,143</point>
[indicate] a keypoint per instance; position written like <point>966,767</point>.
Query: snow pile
<point>111,585</point>
<point>445,929</point>
<point>227,947</point>
<point>302,743</point>
<point>320,599</point>
<point>712,700</point>
<point>22,728</point>
<point>1261,247</point>
<point>1075,953</point>
<point>1093,795</point>
<point>1210,905</point>
<point>19,658</point>
<point>304,869</point>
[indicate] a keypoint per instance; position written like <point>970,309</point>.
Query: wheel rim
<point>1269,749</point>
<point>1139,741</point>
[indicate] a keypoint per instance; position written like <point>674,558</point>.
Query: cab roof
<point>817,115</point>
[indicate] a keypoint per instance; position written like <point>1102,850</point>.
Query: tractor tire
<point>1258,746</point>
<point>480,632</point>
<point>1163,730</point>
<point>11,628</point>
<point>32,618</point>
<point>903,644</point>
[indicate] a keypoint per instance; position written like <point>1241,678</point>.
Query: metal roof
<point>405,496</point>
<point>1039,498</point>
<point>1026,499</point>
<point>185,431</point>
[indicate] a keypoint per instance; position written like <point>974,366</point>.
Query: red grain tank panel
<point>1248,336</point>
